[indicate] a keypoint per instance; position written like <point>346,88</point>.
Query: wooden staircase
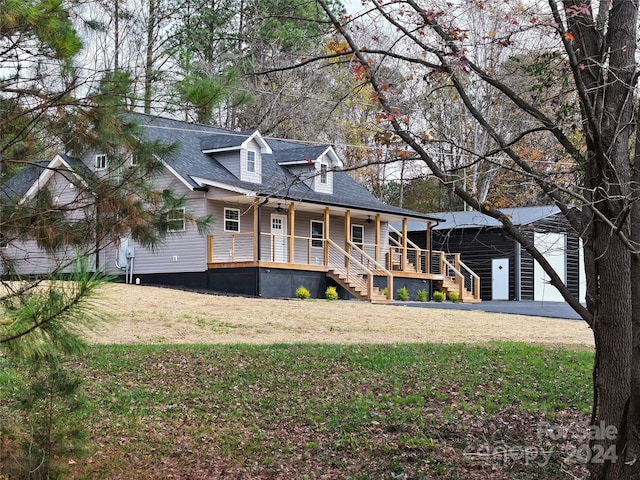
<point>356,285</point>
<point>450,285</point>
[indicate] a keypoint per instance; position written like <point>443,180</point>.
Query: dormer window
<point>101,161</point>
<point>251,170</point>
<point>323,174</point>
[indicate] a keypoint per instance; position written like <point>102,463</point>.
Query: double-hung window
<point>101,161</point>
<point>231,220</point>
<point>251,161</point>
<point>357,235</point>
<point>317,233</point>
<point>176,220</point>
<point>323,173</point>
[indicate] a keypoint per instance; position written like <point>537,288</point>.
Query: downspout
<point>518,271</point>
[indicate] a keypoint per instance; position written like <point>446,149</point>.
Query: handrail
<point>476,280</point>
<point>411,247</point>
<point>459,276</point>
<point>362,267</point>
<point>379,266</point>
<point>475,287</point>
<point>409,242</point>
<point>346,255</point>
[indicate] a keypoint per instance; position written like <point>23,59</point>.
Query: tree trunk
<point>148,64</point>
<point>633,448</point>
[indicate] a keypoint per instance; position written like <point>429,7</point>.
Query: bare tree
<point>562,57</point>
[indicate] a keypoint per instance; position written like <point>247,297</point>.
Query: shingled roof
<point>192,165</point>
<point>189,162</point>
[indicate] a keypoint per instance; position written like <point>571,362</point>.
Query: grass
<point>325,411</point>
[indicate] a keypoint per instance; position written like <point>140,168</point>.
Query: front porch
<point>368,271</point>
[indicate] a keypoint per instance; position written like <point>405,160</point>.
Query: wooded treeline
<point>226,63</point>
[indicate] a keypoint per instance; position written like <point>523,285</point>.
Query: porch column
<point>326,236</point>
<point>428,245</point>
<point>256,232</point>
<point>292,228</point>
<point>347,235</point>
<point>403,261</point>
<point>378,238</point>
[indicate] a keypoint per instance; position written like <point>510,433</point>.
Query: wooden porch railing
<point>240,247</point>
<point>373,265</point>
<point>466,279</point>
<point>413,259</point>
<point>355,270</point>
<point>230,247</point>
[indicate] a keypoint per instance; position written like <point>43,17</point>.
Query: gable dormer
<point>314,165</point>
<point>241,153</point>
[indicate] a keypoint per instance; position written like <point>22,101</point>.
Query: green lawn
<point>327,411</point>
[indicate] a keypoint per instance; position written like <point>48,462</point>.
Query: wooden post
<point>326,235</point>
<point>347,235</point>
<point>291,233</point>
<point>256,232</point>
<point>403,260</point>
<point>210,256</point>
<point>378,238</point>
<point>428,244</point>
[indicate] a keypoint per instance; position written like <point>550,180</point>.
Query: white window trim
<point>354,225</point>
<point>255,162</point>
<point>324,173</point>
<point>316,239</point>
<point>228,209</point>
<point>101,161</point>
<point>182,219</point>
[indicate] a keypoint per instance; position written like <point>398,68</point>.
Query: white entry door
<point>552,246</point>
<point>500,279</point>
<point>279,245</point>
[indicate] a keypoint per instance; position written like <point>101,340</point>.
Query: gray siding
<point>28,258</point>
<point>230,161</point>
<point>180,252</point>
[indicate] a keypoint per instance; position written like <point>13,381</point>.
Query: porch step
<point>449,285</point>
<point>357,286</point>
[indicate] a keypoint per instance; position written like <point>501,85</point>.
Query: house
<point>285,215</point>
<point>507,271</point>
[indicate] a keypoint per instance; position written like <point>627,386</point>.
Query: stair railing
<point>355,270</point>
<point>411,247</point>
<point>457,268</point>
<point>474,280</point>
<point>379,267</point>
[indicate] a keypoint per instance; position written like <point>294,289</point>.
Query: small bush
<point>302,293</point>
<point>438,296</point>
<point>454,297</point>
<point>421,296</point>
<point>385,291</point>
<point>403,294</point>
<point>331,293</point>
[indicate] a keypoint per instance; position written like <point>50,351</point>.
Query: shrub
<point>331,293</point>
<point>385,291</point>
<point>421,296</point>
<point>302,293</point>
<point>438,296</point>
<point>403,294</point>
<point>454,297</point>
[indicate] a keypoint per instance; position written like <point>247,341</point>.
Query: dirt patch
<point>142,314</point>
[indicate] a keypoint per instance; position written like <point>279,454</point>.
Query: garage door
<point>553,247</point>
